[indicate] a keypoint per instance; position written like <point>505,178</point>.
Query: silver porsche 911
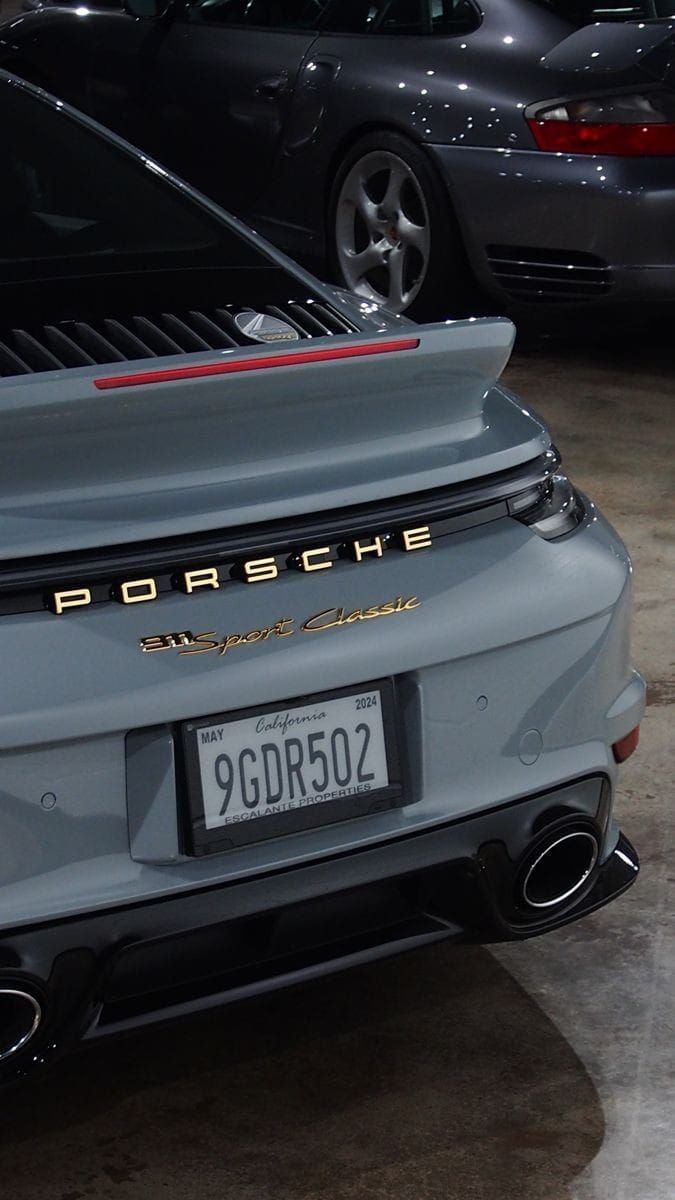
<point>311,651</point>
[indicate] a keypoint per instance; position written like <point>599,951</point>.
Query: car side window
<point>369,16</point>
<point>261,14</point>
<point>453,18</point>
<point>402,16</point>
<point>69,196</point>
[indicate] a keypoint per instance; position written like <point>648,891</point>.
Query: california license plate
<point>265,772</point>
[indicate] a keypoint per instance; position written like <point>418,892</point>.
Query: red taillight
<point>626,745</point>
<point>614,137</point>
<point>260,362</point>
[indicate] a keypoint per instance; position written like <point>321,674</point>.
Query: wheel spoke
<point>362,261</point>
<point>355,194</point>
<point>393,195</point>
<point>395,263</point>
<point>414,235</point>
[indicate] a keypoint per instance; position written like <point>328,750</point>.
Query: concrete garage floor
<point>539,1071</point>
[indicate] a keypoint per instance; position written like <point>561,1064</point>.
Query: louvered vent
<point>530,274</point>
<point>86,343</point>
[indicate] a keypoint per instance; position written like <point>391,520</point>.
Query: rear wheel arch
<point>450,235</point>
<point>346,144</point>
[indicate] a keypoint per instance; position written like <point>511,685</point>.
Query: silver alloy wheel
<point>382,230</point>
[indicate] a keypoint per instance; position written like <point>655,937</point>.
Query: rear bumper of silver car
<point>109,972</point>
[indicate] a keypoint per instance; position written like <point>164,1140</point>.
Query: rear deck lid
<point>104,455</point>
<point>617,47</point>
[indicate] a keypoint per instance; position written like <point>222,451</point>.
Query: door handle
<point>272,88</point>
<point>329,62</point>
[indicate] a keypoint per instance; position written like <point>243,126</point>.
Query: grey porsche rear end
<point>351,555</point>
<point>507,656</point>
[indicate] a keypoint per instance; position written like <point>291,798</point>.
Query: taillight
<point>551,509</point>
<point>626,745</point>
<point>627,125</point>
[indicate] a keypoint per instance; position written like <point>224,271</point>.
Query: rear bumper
<point>107,972</point>
<point>514,206</point>
<point>109,925</point>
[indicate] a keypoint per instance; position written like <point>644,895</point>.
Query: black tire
<point>446,289</point>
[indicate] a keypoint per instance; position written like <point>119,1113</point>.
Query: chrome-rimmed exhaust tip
<point>560,869</point>
<point>20,1018</point>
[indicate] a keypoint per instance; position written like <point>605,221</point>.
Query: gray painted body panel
<point>591,193</point>
<point>161,459</point>
<point>540,629</point>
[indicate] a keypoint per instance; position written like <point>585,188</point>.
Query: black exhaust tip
<point>559,868</point>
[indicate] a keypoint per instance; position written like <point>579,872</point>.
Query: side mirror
<point>147,10</point>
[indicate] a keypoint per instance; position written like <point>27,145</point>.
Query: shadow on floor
<point>625,339</point>
<point>429,1076</point>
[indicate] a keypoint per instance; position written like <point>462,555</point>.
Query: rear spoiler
<point>105,455</point>
<point>615,47</point>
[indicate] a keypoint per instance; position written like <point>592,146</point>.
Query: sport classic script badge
<point>188,643</point>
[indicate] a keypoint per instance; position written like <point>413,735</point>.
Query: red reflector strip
<point>626,745</point>
<point>259,363</point>
<point>587,137</point>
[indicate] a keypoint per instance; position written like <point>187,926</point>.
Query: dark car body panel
<point>261,119</point>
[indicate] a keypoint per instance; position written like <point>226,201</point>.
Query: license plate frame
<point>201,840</point>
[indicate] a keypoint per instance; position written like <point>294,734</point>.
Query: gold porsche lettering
<point>207,577</point>
<point>361,548</point>
<point>202,643</point>
<point>260,570</point>
<point>138,591</point>
<point>187,643</point>
<point>75,598</point>
<point>308,559</point>
<point>253,570</point>
<point>416,539</point>
<point>280,629</point>
<point>333,618</point>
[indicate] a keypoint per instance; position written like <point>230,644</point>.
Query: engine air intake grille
<point>67,344</point>
<point>530,274</point>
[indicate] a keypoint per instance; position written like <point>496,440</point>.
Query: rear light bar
<point>265,362</point>
<point>626,745</point>
<point>628,125</point>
